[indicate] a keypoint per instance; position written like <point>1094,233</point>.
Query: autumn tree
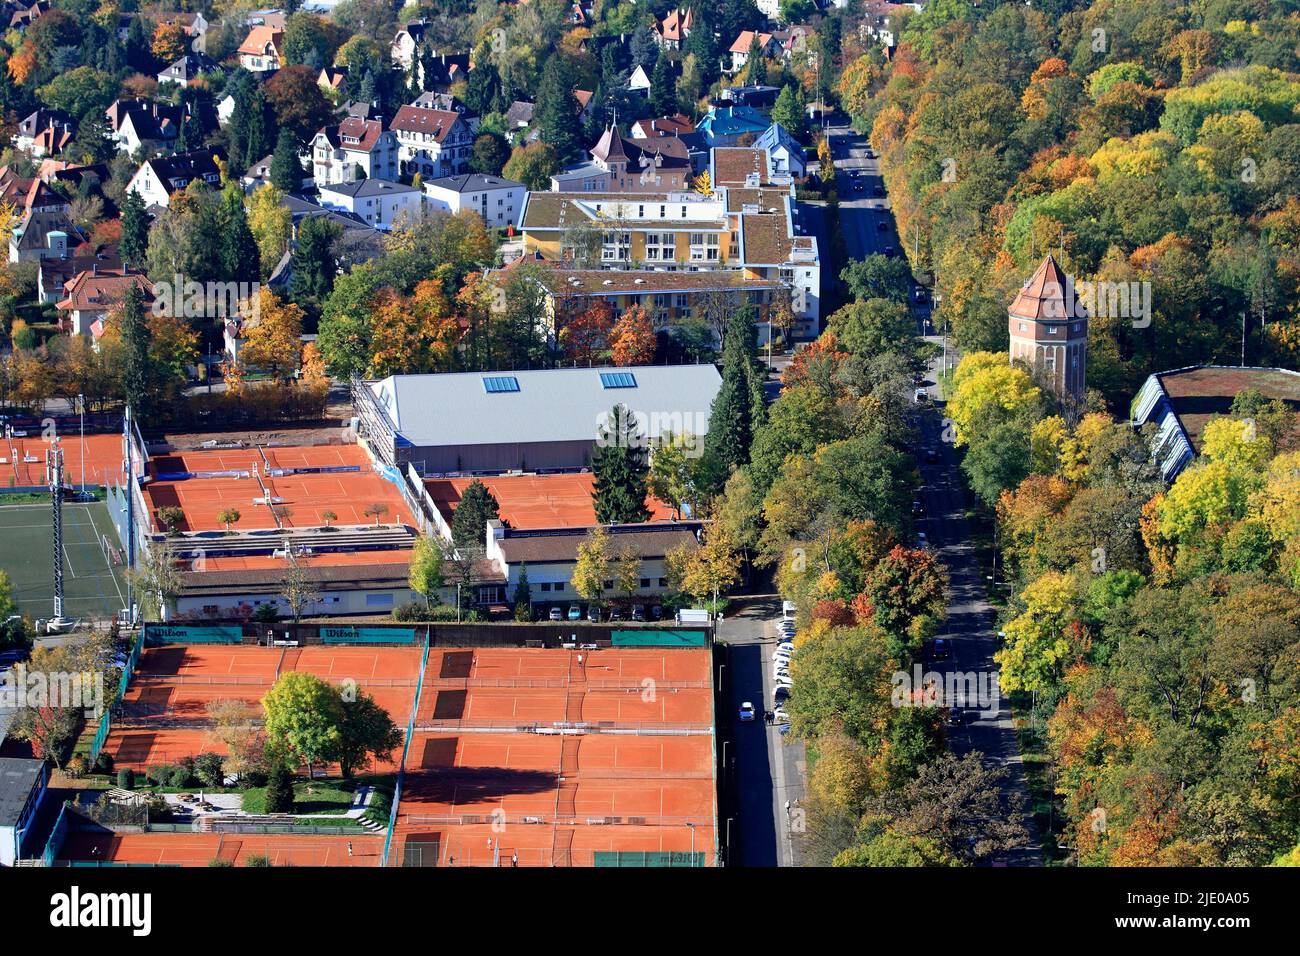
<point>632,339</point>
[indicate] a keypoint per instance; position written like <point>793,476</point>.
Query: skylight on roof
<point>500,383</point>
<point>618,379</point>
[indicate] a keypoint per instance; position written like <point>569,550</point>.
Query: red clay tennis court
<point>557,755</point>
<point>24,460</point>
<point>241,479</point>
<point>200,849</point>
<point>535,501</point>
<point>333,559</point>
<point>164,714</point>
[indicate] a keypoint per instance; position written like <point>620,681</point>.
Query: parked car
<point>921,396</point>
<point>786,646</point>
<point>890,252</point>
<point>593,613</point>
<point>931,456</point>
<point>747,711</point>
<point>784,680</point>
<point>616,614</point>
<point>780,716</point>
<point>638,612</point>
<point>882,226</point>
<point>657,612</point>
<point>556,614</point>
<point>575,612</point>
<point>788,610</point>
<point>780,655</point>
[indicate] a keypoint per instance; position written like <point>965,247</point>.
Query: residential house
<point>671,32</point>
<point>144,124</point>
<point>45,132</point>
<point>55,272</point>
<point>90,295</point>
<point>331,79</point>
<point>353,149</point>
<point>639,81</point>
<point>161,177</point>
<point>262,50</point>
<point>499,201</point>
<point>43,229</point>
<point>378,202</point>
<point>784,154</point>
<point>433,143</point>
<point>767,45</point>
<point>757,95</point>
<point>406,45</point>
<point>624,165</point>
<point>725,125</point>
<point>676,125</point>
<point>187,69</point>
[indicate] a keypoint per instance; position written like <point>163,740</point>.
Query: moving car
<point>882,226</point>
<point>747,711</point>
<point>917,507</point>
<point>890,252</point>
<point>921,540</point>
<point>940,650</point>
<point>931,456</point>
<point>575,612</point>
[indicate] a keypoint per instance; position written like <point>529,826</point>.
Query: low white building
<point>23,785</point>
<point>380,203</point>
<point>499,201</point>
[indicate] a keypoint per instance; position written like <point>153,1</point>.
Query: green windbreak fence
<point>651,858</point>
<point>106,721</point>
<point>368,635</point>
<point>649,637</point>
<point>195,633</point>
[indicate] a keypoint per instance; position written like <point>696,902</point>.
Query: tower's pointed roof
<point>1044,295</point>
<point>610,147</point>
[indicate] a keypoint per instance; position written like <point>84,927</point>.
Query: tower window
<point>1051,330</point>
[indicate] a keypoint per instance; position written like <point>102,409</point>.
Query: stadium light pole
<point>692,828</point>
<point>81,403</point>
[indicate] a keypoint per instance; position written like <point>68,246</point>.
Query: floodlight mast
<point>54,476</point>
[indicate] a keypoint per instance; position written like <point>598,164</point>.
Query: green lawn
<point>310,796</point>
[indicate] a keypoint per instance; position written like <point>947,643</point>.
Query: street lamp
<point>81,404</point>
<point>692,829</point>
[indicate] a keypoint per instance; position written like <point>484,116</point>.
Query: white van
<point>788,610</point>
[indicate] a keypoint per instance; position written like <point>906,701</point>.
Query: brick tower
<point>1049,332</point>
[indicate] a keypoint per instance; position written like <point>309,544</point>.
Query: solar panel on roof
<point>618,379</point>
<point>501,383</point>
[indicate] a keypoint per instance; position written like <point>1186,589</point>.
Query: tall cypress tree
<point>138,377</point>
<point>135,230</point>
<point>286,169</point>
<point>663,89</point>
<point>476,508</point>
<point>314,263</point>
<point>557,109</point>
<point>620,466</point>
<point>240,261</point>
<point>739,408</point>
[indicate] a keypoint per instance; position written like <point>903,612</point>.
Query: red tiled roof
<point>417,119</point>
<point>1043,296</point>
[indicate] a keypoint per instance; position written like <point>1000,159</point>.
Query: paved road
<point>769,771</point>
<point>970,624</point>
